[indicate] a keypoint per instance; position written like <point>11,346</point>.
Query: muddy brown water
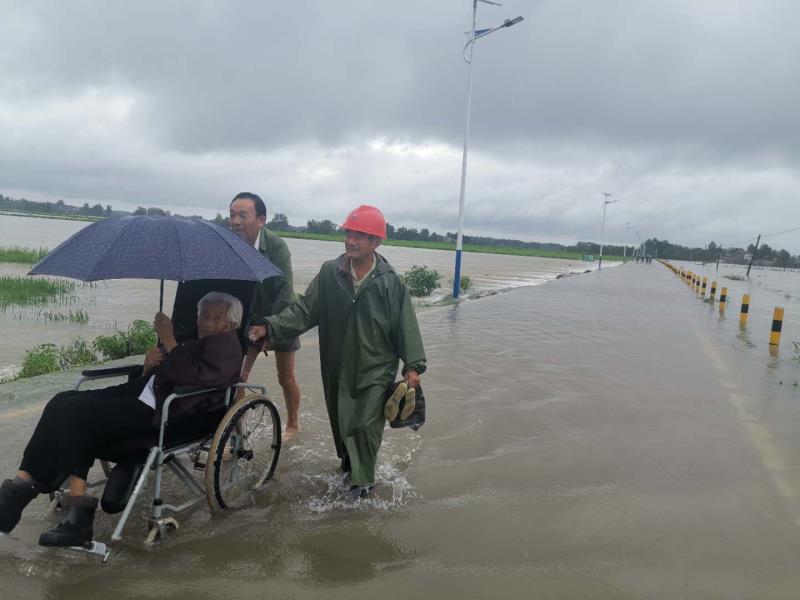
<point>600,436</point>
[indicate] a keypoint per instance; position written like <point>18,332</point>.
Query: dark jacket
<point>212,361</point>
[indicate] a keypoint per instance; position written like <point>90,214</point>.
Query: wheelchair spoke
<point>247,451</point>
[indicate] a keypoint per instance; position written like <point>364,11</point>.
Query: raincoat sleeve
<point>300,316</point>
<point>409,339</point>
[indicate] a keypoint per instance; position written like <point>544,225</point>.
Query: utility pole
<point>753,256</point>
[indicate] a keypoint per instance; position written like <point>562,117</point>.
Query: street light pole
<point>606,202</point>
<point>625,245</point>
<point>474,35</point>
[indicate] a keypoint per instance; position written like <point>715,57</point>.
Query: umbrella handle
<point>161,298</point>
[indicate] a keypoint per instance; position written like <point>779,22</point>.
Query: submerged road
<point>594,437</point>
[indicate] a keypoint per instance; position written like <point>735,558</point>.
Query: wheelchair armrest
<point>110,371</point>
<point>123,370</point>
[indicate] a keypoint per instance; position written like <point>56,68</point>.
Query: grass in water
<point>21,255</point>
<point>24,291</point>
<point>79,316</point>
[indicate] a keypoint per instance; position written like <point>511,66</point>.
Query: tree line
<point>54,208</point>
<point>764,254</point>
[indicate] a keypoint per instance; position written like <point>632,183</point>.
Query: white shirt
<point>257,243</point>
<point>357,283</point>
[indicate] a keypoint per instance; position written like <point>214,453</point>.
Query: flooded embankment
<point>600,436</point>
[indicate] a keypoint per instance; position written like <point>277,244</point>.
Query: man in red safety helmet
<point>366,325</point>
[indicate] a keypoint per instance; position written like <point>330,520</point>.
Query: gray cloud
<point>685,111</point>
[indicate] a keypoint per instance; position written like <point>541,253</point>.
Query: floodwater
<point>113,305</point>
<point>603,436</point>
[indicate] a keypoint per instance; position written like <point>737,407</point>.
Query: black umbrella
<point>143,247</point>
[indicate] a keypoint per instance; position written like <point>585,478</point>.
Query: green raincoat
<point>361,337</point>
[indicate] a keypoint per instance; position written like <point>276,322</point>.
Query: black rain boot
<point>76,526</point>
<point>15,495</point>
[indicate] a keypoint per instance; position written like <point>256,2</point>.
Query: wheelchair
<point>237,453</point>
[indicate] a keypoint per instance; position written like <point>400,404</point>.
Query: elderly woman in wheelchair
<point>77,425</point>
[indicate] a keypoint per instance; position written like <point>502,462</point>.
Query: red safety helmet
<point>366,219</point>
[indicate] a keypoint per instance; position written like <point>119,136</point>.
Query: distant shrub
<point>138,339</point>
<point>421,280</point>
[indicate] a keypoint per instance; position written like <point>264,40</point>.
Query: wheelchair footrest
<point>96,548</point>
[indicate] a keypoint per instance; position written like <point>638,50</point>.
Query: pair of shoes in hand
<point>402,394</point>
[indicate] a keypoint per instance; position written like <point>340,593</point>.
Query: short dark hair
<point>261,208</point>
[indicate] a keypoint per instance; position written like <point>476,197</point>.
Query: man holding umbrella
<point>248,217</point>
<point>366,324</point>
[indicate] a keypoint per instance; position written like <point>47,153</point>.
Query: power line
<point>782,232</point>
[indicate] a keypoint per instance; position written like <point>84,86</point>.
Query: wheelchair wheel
<point>243,452</point>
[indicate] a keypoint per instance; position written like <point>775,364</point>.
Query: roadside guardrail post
<point>777,324</point>
<point>745,311</point>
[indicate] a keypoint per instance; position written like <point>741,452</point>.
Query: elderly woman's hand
<point>163,326</point>
<point>153,358</point>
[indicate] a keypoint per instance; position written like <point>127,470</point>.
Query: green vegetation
<point>24,291</point>
<point>47,358</point>
<point>21,255</point>
<point>464,284</point>
<point>138,339</point>
<point>421,280</point>
<point>79,316</point>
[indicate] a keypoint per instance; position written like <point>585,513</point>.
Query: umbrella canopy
<point>144,247</point>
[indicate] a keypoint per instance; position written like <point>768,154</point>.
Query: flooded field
<point>113,305</point>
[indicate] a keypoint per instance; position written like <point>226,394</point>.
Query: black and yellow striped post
<point>723,299</point>
<point>777,323</point>
<point>703,287</point>
<point>745,310</point>
<point>697,284</point>
<point>712,295</point>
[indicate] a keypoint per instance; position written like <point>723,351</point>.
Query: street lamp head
<point>514,21</point>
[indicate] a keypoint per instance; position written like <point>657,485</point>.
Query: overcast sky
<point>686,111</point>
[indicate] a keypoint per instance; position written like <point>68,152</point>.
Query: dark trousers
<point>76,424</point>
